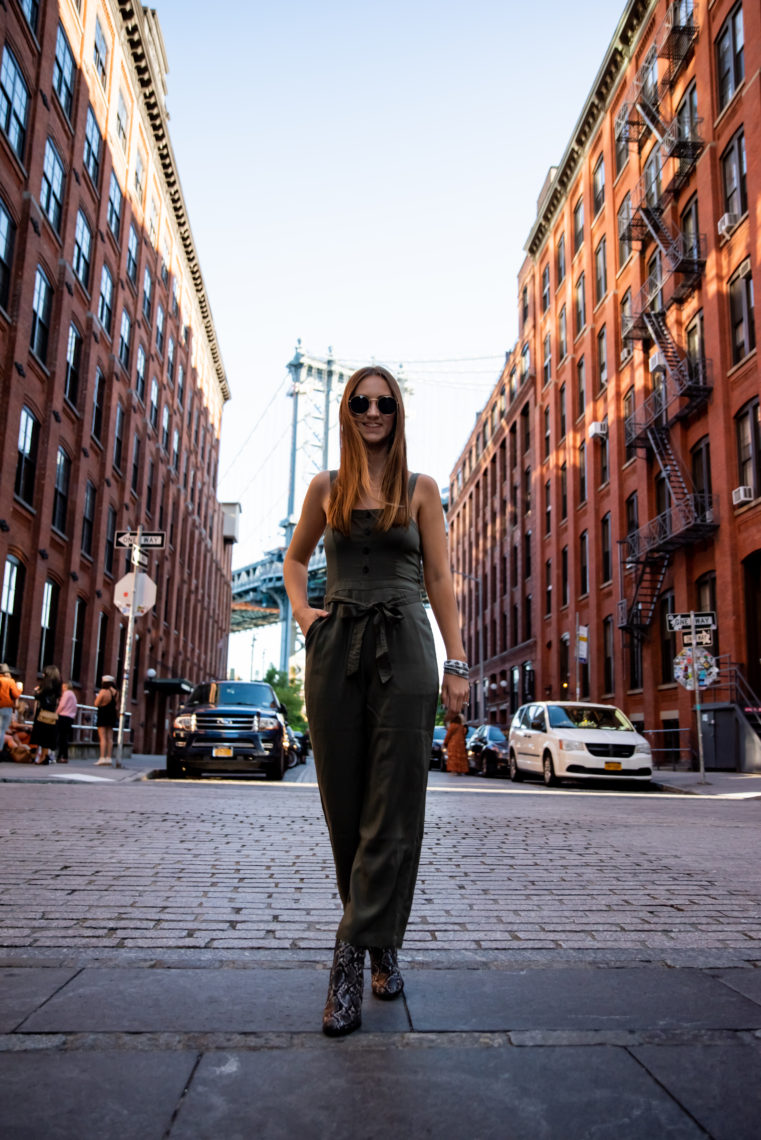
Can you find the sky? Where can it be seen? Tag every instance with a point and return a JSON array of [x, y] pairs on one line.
[[364, 176]]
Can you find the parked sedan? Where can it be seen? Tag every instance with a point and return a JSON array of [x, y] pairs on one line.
[[488, 750], [557, 739], [437, 747]]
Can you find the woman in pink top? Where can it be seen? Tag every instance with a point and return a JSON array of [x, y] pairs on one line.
[[67, 713]]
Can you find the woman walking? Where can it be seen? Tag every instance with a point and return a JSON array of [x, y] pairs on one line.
[[371, 681], [45, 723], [67, 714], [107, 704], [454, 742]]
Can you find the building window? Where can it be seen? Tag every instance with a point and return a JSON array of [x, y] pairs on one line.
[[11, 602], [100, 655], [42, 305], [564, 491], [622, 145], [527, 554], [546, 288], [626, 324], [705, 588], [100, 53], [153, 221], [655, 281], [160, 330], [547, 363], [652, 176], [690, 229], [106, 299], [668, 639], [598, 185], [525, 425], [730, 60], [701, 473], [132, 248], [73, 365], [51, 192], [525, 361], [48, 622], [562, 334], [601, 272], [630, 450], [748, 426], [7, 241], [581, 387], [77, 639], [88, 518], [524, 304], [583, 563], [165, 427], [125, 340], [607, 646], [147, 291], [170, 361], [547, 507], [14, 103], [118, 437], [80, 261], [527, 606], [93, 141], [140, 374], [135, 482], [687, 115], [108, 560], [122, 121], [564, 576], [605, 455], [605, 550], [114, 211], [175, 449], [632, 514], [26, 462], [602, 359], [561, 397], [734, 176], [140, 176], [742, 313], [154, 408], [99, 396], [561, 259], [582, 472], [63, 72], [149, 487], [578, 226], [546, 418], [61, 490], [580, 305], [548, 587], [624, 230]]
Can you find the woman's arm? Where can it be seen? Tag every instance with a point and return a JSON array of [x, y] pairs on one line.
[[307, 534], [438, 585]]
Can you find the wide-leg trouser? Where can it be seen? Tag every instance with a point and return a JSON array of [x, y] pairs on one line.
[[372, 747]]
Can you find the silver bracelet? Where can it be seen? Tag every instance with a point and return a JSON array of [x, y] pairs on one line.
[[457, 668]]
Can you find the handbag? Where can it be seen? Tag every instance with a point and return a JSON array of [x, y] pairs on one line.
[[44, 716]]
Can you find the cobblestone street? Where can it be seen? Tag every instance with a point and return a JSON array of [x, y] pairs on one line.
[[236, 868]]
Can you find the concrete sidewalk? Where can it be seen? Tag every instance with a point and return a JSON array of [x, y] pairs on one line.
[[202, 1048]]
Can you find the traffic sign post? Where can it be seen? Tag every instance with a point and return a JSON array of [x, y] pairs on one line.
[[696, 689], [156, 539], [703, 637], [679, 623], [134, 594], [694, 667]]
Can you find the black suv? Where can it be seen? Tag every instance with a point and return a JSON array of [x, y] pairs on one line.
[[229, 726]]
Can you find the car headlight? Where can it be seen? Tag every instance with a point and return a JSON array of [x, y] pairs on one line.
[[268, 722], [566, 745], [643, 748], [186, 722]]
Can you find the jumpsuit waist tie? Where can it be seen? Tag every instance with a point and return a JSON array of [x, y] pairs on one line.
[[383, 615]]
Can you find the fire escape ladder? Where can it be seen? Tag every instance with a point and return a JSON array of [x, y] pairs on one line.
[[685, 378], [676, 37], [635, 615]]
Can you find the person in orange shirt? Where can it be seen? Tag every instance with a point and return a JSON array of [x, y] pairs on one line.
[[9, 694], [454, 742]]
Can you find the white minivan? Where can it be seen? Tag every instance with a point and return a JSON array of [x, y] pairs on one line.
[[556, 739]]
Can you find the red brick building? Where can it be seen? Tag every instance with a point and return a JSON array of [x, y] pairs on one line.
[[614, 474], [111, 376]]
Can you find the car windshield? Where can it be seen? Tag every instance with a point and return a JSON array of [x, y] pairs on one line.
[[496, 734], [588, 716], [248, 693], [439, 732]]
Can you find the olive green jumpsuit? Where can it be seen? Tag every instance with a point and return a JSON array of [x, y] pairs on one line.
[[371, 689]]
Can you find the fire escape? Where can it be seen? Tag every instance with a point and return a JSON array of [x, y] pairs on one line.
[[681, 383]]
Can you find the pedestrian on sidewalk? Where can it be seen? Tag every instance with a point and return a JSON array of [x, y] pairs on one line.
[[9, 695], [371, 683], [45, 722], [107, 704], [67, 714], [454, 742]]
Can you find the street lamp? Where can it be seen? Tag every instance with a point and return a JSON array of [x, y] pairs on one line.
[[479, 604]]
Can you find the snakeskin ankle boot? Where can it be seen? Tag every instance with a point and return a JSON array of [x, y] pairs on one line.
[[343, 1009], [387, 979]]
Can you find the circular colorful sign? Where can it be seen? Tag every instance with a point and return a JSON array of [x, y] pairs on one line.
[[685, 664]]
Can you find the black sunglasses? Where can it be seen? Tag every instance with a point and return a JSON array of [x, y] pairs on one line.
[[358, 405]]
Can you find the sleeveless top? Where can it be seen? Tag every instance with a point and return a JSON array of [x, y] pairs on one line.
[[371, 576]]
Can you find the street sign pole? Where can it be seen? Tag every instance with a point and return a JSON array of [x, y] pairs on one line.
[[696, 689], [128, 653], [578, 663]]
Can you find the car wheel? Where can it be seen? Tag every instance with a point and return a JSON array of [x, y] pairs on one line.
[[548, 770], [487, 764], [515, 773], [277, 770], [173, 768]]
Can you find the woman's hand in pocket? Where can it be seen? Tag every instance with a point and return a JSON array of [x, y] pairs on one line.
[[308, 616]]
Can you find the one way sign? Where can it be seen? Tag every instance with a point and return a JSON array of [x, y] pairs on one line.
[[153, 538]]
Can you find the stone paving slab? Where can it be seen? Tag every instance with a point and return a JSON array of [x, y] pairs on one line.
[[746, 982], [720, 1086], [94, 1096], [23, 989], [575, 999], [449, 1094], [139, 1000]]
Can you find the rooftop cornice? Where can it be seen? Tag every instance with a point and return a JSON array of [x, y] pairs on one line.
[[615, 62], [151, 90]]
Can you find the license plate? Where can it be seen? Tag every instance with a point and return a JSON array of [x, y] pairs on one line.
[[223, 750], [612, 766]]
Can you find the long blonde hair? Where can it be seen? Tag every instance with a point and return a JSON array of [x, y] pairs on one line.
[[353, 479]]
